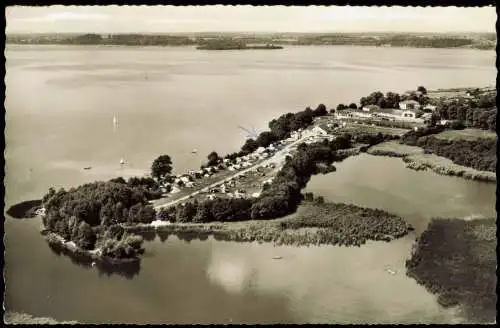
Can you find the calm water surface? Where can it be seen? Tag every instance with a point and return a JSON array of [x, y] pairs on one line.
[[60, 105]]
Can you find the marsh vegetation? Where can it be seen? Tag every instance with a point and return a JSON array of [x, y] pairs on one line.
[[457, 260]]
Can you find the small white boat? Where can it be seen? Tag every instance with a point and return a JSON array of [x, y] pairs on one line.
[[277, 257], [122, 161], [392, 272], [194, 151]]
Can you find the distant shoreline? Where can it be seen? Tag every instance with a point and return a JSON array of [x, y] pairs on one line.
[[198, 47]]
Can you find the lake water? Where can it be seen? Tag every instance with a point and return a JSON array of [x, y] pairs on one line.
[[60, 105]]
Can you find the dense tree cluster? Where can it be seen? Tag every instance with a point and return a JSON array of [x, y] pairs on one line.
[[213, 159], [282, 196], [373, 139], [392, 99], [479, 154], [280, 129], [161, 166], [422, 89], [341, 107], [285, 124], [122, 246], [411, 137], [83, 213], [220, 209], [478, 113]]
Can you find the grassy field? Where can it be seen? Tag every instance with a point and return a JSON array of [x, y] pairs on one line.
[[15, 318], [415, 159], [466, 134], [355, 128], [312, 224], [456, 259], [394, 149], [365, 125]]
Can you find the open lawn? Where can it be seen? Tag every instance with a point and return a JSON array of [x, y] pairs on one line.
[[466, 134], [355, 128], [394, 149]]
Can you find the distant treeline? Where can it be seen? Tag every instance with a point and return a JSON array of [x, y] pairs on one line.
[[114, 39], [394, 40], [398, 41]]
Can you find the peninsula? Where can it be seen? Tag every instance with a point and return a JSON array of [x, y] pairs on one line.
[[256, 194]]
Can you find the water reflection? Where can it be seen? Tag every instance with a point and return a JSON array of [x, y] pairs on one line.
[[330, 284], [148, 235], [105, 267], [21, 210], [163, 235]]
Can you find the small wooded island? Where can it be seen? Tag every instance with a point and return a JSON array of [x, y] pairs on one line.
[[235, 45]]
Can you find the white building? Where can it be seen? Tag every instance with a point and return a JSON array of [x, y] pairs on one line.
[[260, 150], [409, 104], [362, 114], [370, 108], [319, 130], [430, 107], [343, 114]]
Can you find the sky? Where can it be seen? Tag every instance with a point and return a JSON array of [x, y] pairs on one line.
[[171, 19]]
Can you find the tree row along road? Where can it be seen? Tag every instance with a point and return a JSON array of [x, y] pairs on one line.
[[278, 156]]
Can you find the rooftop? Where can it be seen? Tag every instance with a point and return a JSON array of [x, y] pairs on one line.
[[409, 102]]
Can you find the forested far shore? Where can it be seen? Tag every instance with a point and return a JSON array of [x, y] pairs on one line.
[[477, 41]]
